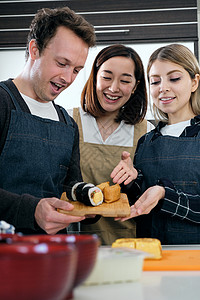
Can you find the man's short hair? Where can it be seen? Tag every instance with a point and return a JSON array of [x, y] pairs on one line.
[[45, 23]]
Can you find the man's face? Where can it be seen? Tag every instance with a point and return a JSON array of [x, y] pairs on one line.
[[58, 65]]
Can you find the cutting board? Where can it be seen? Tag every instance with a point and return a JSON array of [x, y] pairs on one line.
[[119, 208], [175, 260]]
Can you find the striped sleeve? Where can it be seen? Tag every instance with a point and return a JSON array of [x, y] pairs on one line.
[[181, 205]]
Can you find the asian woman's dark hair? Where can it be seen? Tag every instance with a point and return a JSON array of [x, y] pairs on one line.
[[135, 109]]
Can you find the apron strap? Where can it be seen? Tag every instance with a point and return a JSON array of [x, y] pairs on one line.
[[66, 116], [75, 114], [16, 104], [77, 119], [139, 130]]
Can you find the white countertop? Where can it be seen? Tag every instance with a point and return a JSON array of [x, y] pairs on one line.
[[154, 285]]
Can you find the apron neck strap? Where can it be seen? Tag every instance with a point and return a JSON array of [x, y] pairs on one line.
[[15, 102]]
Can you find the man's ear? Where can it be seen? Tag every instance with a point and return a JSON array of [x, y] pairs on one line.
[[33, 49]]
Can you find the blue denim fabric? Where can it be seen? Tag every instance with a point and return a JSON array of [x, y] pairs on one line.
[[177, 159], [36, 154]]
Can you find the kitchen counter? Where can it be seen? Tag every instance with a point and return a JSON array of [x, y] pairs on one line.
[[154, 285]]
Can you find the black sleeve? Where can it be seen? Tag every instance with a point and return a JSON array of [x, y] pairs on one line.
[[133, 189], [18, 210]]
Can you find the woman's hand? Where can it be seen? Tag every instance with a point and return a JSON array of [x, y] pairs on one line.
[[146, 202], [124, 171]]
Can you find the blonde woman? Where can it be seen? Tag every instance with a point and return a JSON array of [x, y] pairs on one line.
[[168, 202]]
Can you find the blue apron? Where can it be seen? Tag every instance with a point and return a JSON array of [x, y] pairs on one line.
[[177, 159], [36, 154]]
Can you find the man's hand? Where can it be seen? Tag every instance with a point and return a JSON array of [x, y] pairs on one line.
[[124, 171], [49, 219]]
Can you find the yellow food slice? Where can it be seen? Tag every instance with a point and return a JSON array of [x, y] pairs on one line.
[[149, 245], [97, 197]]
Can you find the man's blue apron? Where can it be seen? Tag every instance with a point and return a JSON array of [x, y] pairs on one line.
[[36, 154]]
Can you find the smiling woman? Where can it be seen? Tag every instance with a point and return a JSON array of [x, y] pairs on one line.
[[115, 84], [170, 87], [111, 120], [167, 205]]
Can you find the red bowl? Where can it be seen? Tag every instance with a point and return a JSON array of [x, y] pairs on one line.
[[87, 246], [36, 271], [6, 237]]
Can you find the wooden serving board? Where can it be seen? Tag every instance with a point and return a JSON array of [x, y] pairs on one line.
[[175, 260], [119, 208]]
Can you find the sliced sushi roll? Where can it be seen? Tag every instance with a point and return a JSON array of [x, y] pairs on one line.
[[74, 189], [80, 195], [92, 196], [73, 192], [87, 193]]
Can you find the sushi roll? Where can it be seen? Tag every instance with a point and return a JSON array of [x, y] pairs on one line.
[[73, 192], [87, 193]]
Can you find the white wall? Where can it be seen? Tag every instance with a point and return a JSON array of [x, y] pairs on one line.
[[12, 61]]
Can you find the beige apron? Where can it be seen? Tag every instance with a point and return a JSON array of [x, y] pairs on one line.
[[97, 162]]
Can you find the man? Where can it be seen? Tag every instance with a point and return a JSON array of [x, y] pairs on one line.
[[39, 142]]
